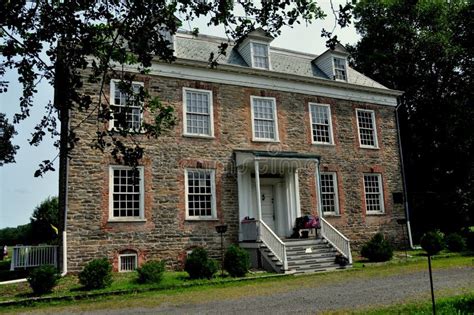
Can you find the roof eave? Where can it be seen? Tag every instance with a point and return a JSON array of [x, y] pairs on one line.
[[288, 76]]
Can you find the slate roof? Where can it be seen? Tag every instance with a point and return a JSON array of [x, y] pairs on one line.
[[282, 60]]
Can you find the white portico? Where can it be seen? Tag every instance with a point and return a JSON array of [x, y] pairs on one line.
[[274, 177], [269, 195]]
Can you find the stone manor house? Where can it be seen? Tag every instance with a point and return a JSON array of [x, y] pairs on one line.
[[270, 135]]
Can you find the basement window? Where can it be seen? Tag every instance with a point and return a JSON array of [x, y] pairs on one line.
[[128, 261]]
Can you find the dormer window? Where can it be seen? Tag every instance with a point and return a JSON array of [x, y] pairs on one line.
[[340, 72], [255, 49], [260, 55], [333, 62]]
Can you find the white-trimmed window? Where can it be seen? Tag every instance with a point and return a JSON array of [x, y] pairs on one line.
[[367, 128], [321, 125], [264, 118], [126, 107], [200, 194], [260, 56], [340, 71], [329, 198], [198, 112], [373, 193], [128, 261], [126, 193]]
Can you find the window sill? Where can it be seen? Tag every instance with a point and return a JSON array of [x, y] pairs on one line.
[[369, 148], [265, 140], [375, 214], [129, 132], [201, 219], [331, 215], [323, 144], [126, 220], [198, 136]]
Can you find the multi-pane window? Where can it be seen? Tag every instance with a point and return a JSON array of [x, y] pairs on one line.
[[329, 200], [265, 125], [126, 106], [340, 71], [373, 193], [200, 194], [198, 112], [321, 123], [260, 55], [126, 193], [367, 129], [127, 262]]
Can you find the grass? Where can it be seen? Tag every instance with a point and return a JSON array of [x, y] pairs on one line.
[[218, 288], [459, 304], [70, 286]]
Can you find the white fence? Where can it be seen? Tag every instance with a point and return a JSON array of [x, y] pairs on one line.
[[34, 256], [336, 239]]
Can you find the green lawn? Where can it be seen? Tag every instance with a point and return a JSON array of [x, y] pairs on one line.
[[171, 292], [70, 286]]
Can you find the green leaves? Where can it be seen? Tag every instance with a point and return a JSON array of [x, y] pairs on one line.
[[424, 48], [73, 43]]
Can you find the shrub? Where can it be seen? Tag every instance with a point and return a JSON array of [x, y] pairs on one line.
[[236, 261], [198, 265], [432, 242], [377, 249], [97, 274], [455, 242], [151, 272], [470, 240], [43, 279]]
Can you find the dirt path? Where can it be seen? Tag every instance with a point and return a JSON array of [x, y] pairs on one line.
[[349, 294]]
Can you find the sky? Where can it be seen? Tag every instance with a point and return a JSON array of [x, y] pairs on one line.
[[21, 192]]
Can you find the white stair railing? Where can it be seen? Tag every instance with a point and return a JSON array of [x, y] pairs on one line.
[[274, 243], [336, 239], [34, 256]]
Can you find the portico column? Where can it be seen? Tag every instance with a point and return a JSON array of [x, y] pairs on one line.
[[318, 188], [257, 188]]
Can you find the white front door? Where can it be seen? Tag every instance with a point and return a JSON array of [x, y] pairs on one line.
[[268, 209]]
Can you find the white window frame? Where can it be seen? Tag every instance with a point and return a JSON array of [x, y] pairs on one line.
[[336, 195], [211, 114], [213, 215], [141, 217], [381, 196], [331, 134], [252, 54], [374, 130], [120, 256], [275, 115], [113, 84], [335, 68]]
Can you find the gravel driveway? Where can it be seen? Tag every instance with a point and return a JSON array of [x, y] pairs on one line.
[[348, 294]]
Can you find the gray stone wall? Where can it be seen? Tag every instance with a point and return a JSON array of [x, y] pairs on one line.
[[165, 234]]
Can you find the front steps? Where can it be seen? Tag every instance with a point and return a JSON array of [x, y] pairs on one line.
[[304, 256]]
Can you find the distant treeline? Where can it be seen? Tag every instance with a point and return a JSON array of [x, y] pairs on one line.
[[41, 229], [21, 234]]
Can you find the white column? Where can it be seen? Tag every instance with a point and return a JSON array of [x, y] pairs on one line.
[[257, 189], [318, 188], [243, 209]]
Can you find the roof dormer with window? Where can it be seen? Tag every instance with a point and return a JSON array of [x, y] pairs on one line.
[[255, 49], [333, 62]]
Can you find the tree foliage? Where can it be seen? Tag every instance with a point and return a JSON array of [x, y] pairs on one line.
[[57, 40], [7, 148], [44, 220], [425, 49], [15, 235]]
